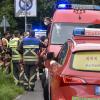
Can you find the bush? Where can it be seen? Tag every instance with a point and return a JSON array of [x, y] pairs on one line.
[[8, 90]]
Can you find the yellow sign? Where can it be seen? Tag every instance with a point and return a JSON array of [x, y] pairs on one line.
[[87, 61]]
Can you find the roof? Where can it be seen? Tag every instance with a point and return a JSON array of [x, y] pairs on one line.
[[65, 15]]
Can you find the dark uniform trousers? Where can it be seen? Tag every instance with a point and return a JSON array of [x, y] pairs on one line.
[[30, 76], [16, 71]]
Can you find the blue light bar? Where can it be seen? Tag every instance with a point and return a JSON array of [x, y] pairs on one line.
[[79, 32], [86, 7], [97, 8], [63, 4], [36, 30], [39, 30]]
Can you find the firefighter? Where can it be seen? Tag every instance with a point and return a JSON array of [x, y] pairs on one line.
[[16, 56], [30, 48]]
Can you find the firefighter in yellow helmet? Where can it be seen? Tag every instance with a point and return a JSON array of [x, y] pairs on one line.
[[16, 56], [30, 48]]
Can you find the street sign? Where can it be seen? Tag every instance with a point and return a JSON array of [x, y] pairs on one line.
[[4, 22], [28, 4], [23, 7]]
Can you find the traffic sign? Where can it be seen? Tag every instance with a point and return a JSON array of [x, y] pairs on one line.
[[4, 22], [28, 7], [25, 4]]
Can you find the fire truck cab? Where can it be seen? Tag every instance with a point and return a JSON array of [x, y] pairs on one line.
[[66, 18]]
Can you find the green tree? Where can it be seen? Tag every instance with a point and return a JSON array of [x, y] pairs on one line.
[[7, 9]]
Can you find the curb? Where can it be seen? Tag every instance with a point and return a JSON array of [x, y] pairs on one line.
[[18, 97]]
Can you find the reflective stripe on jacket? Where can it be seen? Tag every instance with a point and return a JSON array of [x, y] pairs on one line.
[[29, 53], [30, 48], [13, 44]]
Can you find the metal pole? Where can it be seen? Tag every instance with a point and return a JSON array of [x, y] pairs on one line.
[[93, 2], [4, 23], [25, 15]]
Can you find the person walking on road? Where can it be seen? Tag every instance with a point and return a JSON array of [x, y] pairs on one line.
[[30, 48]]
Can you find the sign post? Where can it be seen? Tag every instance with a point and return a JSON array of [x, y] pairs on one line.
[[4, 23], [26, 16], [93, 2]]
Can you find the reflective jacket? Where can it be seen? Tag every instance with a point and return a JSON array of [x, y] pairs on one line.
[[30, 50], [13, 44]]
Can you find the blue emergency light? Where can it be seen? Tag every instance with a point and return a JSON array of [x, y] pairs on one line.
[[66, 4], [79, 32], [97, 8], [63, 4], [39, 30]]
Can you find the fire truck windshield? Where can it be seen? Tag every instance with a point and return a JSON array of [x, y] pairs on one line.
[[63, 31]]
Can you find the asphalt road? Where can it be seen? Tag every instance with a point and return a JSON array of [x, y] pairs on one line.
[[36, 95]]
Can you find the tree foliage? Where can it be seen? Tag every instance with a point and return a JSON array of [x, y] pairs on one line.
[[44, 8], [7, 9]]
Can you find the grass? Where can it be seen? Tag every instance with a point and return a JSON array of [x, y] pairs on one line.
[[8, 90]]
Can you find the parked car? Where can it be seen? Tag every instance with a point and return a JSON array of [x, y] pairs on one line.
[[75, 73]]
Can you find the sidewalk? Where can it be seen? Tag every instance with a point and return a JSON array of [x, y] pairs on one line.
[[36, 95]]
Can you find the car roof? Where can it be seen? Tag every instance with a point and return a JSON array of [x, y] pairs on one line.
[[85, 45], [64, 15]]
